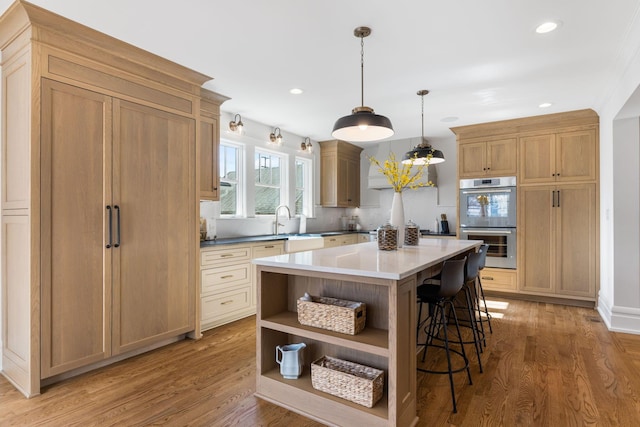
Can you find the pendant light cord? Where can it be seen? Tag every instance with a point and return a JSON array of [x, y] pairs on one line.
[[422, 140], [362, 71]]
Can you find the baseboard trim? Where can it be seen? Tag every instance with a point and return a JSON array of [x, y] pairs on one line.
[[541, 298]]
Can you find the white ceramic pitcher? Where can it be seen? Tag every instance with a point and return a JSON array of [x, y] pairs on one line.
[[289, 357]]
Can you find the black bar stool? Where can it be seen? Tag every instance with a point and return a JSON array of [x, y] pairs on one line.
[[440, 297], [472, 321], [487, 317]]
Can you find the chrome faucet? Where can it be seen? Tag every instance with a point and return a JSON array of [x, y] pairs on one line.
[[288, 214]]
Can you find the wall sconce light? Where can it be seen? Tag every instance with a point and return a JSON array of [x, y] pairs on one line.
[[276, 137], [236, 124], [305, 145]]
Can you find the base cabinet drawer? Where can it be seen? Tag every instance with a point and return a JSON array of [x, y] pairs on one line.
[[497, 279], [220, 278], [224, 304], [223, 256]]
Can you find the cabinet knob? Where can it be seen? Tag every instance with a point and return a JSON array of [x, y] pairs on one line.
[[215, 188]]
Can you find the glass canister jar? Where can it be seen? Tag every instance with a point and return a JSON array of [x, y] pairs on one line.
[[411, 234], [387, 237]]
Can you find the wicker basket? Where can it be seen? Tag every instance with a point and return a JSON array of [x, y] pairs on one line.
[[357, 383], [347, 317]]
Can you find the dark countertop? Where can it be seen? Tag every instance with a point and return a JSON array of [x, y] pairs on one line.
[[271, 237], [431, 233]]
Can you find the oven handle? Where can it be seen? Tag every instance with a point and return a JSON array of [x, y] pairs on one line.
[[486, 231], [503, 190]]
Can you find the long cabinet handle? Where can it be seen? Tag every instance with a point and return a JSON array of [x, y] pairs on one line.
[[553, 198], [117, 209], [558, 197], [108, 246]]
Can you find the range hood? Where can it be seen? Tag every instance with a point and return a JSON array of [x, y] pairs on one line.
[[377, 181]]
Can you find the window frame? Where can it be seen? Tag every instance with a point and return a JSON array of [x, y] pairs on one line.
[[284, 186], [241, 185], [307, 179]]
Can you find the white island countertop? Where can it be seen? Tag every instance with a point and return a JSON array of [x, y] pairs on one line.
[[366, 260]]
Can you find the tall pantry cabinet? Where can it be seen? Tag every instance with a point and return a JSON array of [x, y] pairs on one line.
[[555, 160], [100, 198]]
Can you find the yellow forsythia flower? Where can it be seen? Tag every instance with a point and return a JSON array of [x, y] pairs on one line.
[[399, 174]]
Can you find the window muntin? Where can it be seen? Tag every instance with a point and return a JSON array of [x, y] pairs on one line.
[[269, 176]]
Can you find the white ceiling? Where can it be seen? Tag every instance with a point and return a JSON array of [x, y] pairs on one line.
[[481, 60]]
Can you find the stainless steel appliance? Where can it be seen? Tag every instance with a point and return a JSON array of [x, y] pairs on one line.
[[488, 213], [501, 241]]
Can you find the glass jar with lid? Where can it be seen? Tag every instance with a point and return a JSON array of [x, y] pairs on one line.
[[411, 234], [387, 237]]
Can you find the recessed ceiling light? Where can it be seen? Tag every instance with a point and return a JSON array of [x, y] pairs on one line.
[[547, 27], [545, 105], [296, 91], [449, 119]]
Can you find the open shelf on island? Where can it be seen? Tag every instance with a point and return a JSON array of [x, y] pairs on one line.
[[379, 412], [370, 340]]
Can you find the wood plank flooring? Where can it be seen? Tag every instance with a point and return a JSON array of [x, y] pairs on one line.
[[544, 365]]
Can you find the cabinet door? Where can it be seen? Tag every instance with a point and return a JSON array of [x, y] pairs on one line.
[[576, 240], [537, 159], [501, 157], [353, 183], [209, 166], [154, 187], [328, 179], [75, 190], [472, 161], [536, 222], [576, 156]]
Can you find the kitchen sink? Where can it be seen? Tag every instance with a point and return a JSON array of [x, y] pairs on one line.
[[303, 242]]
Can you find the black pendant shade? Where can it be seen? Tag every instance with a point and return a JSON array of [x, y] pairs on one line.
[[362, 125], [420, 153]]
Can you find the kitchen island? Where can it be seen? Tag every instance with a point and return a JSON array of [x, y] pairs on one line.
[[386, 282]]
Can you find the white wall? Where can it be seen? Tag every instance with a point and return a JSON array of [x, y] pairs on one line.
[[422, 205], [257, 135], [619, 296]]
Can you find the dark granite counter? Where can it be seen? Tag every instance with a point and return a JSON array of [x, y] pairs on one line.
[[271, 237]]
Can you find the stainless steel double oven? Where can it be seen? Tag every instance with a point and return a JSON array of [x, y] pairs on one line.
[[488, 213]]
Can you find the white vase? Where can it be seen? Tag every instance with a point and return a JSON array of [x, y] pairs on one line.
[[397, 216]]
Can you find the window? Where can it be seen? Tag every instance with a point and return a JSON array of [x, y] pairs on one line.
[[269, 176], [304, 189], [230, 180]]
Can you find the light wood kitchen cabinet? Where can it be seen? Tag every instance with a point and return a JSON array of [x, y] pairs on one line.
[[227, 283], [498, 279], [340, 174], [487, 158], [340, 240], [210, 144], [557, 163], [144, 161], [100, 144], [559, 250], [559, 157]]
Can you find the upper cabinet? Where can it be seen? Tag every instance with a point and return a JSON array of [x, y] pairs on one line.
[[210, 144], [559, 157], [495, 157], [340, 174]]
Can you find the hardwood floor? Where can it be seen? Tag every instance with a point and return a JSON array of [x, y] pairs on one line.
[[544, 365]]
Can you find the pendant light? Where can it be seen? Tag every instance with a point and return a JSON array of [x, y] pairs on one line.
[[362, 125], [421, 152]]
